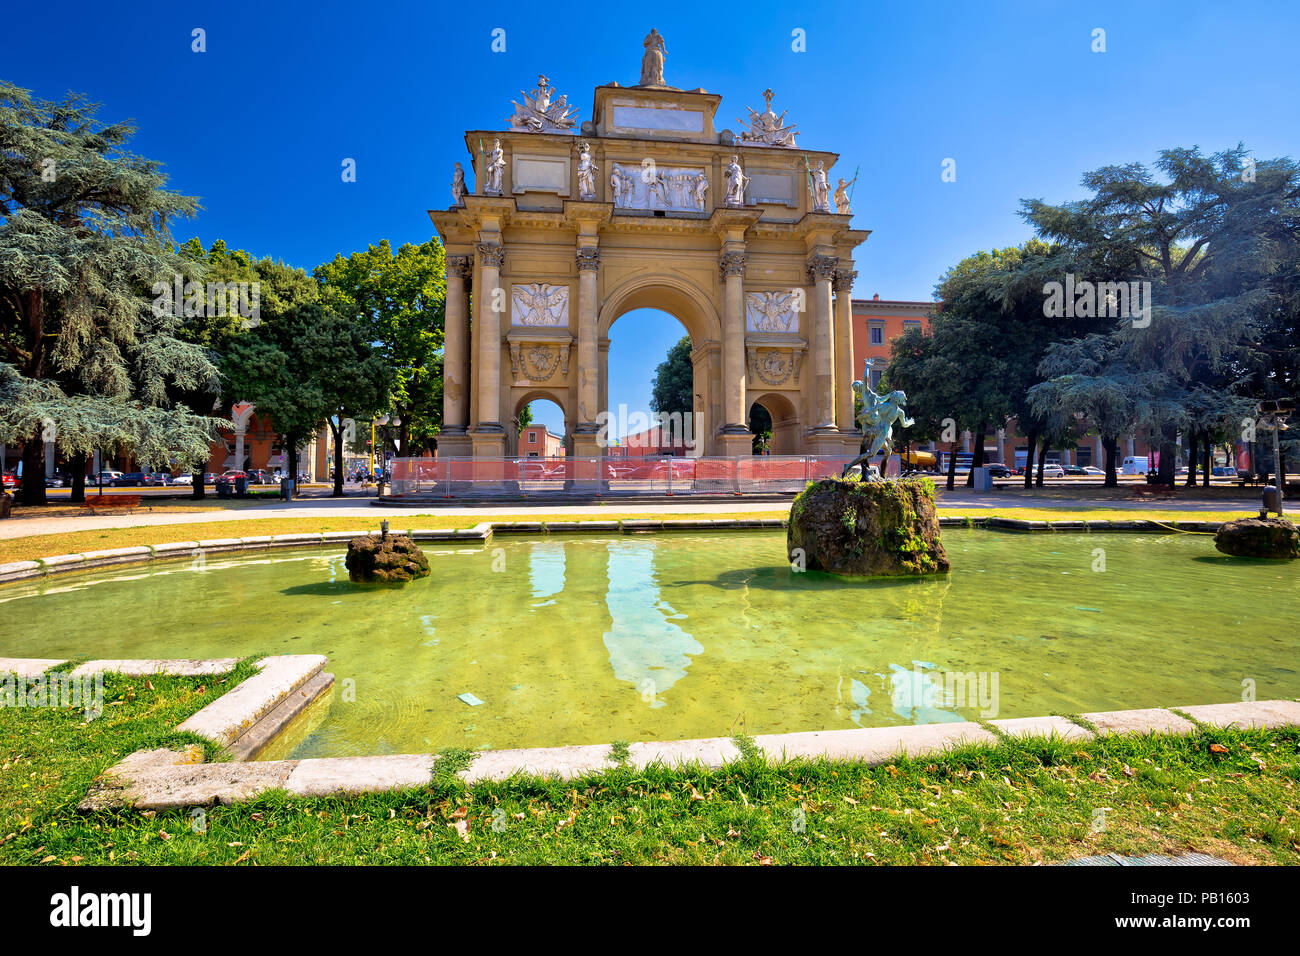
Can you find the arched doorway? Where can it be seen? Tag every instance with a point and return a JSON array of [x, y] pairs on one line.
[[543, 412], [694, 312], [641, 343], [784, 422]]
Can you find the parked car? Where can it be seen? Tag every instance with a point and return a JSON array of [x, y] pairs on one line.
[[185, 479], [210, 478], [260, 476], [1222, 471], [1074, 471], [157, 479], [1051, 470], [58, 480], [1094, 471], [229, 478], [10, 480], [1135, 465], [131, 479], [999, 471], [108, 476]]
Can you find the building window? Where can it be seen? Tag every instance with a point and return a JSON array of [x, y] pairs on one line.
[[911, 324], [532, 438], [875, 377], [532, 454], [876, 333]]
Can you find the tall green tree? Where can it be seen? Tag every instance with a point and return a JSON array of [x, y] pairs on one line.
[[274, 289], [1212, 235], [673, 388], [85, 237], [308, 368], [399, 302]]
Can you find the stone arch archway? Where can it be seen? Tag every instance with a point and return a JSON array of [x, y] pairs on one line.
[[524, 397], [562, 235], [785, 421], [690, 305]]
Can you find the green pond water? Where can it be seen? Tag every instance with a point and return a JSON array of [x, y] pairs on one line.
[[591, 639]]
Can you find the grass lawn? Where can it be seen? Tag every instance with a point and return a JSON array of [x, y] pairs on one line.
[[1022, 802]]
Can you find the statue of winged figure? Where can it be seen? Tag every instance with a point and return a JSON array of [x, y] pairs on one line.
[[877, 419], [541, 304], [539, 114]]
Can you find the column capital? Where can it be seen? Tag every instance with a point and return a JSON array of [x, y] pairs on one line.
[[588, 259], [731, 264], [843, 281], [459, 266], [492, 255], [821, 267]]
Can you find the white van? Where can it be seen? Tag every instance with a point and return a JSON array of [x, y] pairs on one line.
[[1135, 465]]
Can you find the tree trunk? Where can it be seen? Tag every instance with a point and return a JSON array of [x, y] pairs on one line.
[[1029, 458], [977, 459], [952, 467], [337, 431], [1042, 463], [1111, 447], [1193, 456], [1168, 458], [32, 489], [78, 466]]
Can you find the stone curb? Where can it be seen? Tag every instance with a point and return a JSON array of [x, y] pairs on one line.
[[483, 531], [146, 667], [158, 779], [27, 666], [234, 713]]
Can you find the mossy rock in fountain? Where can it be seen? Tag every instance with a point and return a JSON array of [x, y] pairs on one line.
[[391, 559], [1259, 538], [867, 528]]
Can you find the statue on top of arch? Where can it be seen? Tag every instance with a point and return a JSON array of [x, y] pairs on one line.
[[766, 128]]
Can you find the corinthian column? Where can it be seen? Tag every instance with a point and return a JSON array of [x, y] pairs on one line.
[[821, 269], [736, 438], [488, 320], [455, 349], [588, 368], [843, 283]]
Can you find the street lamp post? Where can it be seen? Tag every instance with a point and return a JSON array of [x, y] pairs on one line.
[[1273, 417]]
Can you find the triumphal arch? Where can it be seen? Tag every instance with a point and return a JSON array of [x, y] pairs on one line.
[[647, 205]]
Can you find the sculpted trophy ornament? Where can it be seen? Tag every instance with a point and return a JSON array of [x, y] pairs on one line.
[[652, 64], [877, 419], [842, 196], [736, 180], [766, 128], [539, 114], [458, 190], [586, 174], [496, 167], [819, 188]]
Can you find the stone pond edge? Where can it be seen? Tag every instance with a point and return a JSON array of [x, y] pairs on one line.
[[484, 530], [264, 704]]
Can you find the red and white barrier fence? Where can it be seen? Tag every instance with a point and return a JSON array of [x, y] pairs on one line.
[[452, 477]]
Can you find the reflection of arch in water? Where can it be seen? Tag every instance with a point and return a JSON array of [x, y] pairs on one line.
[[915, 693], [546, 570], [646, 649]]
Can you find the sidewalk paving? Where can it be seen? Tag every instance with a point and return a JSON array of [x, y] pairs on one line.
[[957, 500]]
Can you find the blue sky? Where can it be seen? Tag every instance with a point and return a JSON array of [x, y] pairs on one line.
[[259, 125]]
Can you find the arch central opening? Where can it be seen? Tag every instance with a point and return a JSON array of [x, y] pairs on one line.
[[649, 385]]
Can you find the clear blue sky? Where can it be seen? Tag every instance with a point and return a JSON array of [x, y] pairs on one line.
[[258, 126]]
